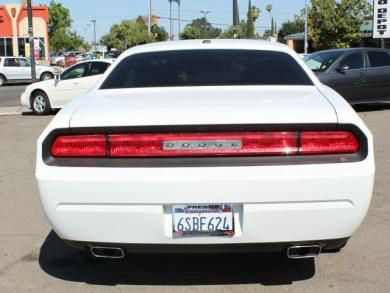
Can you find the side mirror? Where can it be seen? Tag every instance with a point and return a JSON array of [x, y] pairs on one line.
[[57, 76], [342, 69]]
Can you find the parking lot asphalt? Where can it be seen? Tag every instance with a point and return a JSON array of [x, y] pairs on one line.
[[10, 95], [33, 258]]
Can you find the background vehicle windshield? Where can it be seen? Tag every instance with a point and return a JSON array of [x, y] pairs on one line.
[[206, 68], [321, 61]]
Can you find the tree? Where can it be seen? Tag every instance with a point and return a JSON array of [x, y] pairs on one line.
[[159, 33], [291, 27], [269, 8], [59, 24], [336, 24], [59, 18], [267, 34], [130, 33], [240, 32], [250, 25], [200, 28]]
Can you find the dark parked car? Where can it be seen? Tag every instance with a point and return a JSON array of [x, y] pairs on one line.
[[360, 75]]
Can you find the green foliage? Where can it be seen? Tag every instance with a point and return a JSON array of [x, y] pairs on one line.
[[127, 34], [200, 28], [159, 33], [59, 18], [291, 27], [267, 34], [62, 40], [336, 24], [240, 34], [59, 24], [245, 30], [250, 25]]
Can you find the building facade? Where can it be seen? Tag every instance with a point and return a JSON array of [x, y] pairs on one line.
[[14, 38]]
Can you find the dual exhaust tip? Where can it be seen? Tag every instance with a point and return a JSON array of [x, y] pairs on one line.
[[293, 252], [303, 251], [107, 252]]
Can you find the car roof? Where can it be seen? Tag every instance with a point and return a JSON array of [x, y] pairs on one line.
[[96, 60], [344, 50], [212, 44]]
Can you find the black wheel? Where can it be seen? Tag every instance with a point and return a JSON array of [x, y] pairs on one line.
[[47, 76], [2, 80], [40, 103]]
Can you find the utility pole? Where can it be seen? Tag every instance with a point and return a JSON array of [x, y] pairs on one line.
[[306, 28], [204, 12], [150, 17], [236, 18], [31, 37], [179, 20], [94, 32], [170, 20]]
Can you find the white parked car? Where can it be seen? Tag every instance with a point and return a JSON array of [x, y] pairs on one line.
[[42, 97], [18, 70], [213, 145], [56, 58]]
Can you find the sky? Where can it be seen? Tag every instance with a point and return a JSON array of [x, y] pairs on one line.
[[109, 12]]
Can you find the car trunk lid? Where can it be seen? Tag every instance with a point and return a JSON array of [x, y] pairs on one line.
[[204, 106]]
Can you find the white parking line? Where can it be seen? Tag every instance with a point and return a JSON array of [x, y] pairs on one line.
[[9, 111]]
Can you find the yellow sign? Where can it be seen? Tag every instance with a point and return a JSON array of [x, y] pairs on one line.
[[27, 50]]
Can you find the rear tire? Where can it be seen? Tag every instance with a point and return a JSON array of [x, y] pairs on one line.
[[2, 80], [40, 103], [46, 76]]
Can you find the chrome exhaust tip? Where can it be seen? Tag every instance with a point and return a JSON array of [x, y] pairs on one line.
[[303, 251], [107, 252]]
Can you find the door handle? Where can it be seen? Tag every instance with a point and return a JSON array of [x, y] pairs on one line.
[[362, 74]]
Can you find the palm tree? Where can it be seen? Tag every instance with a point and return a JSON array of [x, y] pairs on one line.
[[269, 8], [256, 12]]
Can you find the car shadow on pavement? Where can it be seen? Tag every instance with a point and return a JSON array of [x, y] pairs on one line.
[[372, 107], [61, 261]]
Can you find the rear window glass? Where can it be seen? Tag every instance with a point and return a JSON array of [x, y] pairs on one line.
[[206, 68], [378, 58]]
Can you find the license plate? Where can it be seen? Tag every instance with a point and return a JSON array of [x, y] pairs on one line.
[[206, 220]]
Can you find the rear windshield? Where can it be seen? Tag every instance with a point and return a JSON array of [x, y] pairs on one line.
[[206, 68]]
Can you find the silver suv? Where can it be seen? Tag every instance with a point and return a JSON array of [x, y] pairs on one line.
[[18, 69]]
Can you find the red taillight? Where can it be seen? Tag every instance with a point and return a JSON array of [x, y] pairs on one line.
[[328, 142], [79, 146], [206, 145], [198, 144]]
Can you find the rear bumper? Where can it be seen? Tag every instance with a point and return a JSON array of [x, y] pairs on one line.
[[25, 100], [272, 204], [326, 245]]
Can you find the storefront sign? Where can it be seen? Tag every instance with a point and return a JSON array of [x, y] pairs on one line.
[[381, 19]]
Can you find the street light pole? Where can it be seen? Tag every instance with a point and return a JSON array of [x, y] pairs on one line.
[[94, 31], [31, 38], [204, 12], [150, 17], [179, 20], [306, 28], [236, 19], [170, 20]]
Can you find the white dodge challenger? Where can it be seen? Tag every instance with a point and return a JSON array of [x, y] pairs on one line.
[[206, 146]]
